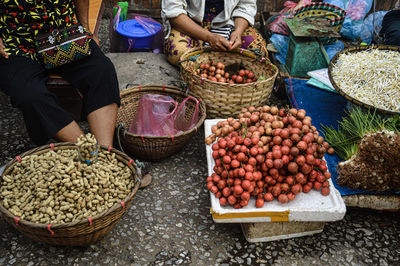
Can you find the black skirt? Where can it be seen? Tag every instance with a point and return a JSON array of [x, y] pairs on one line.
[[24, 81]]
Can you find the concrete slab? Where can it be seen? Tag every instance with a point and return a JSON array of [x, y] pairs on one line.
[[144, 68]]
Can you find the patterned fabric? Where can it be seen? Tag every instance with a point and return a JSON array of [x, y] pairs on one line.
[[252, 40], [213, 8], [334, 14], [22, 20], [62, 47], [178, 43]]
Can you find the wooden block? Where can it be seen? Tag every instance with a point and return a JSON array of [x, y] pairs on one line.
[[264, 232]]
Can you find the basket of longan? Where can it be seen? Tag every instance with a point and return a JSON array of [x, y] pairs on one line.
[[68, 194], [228, 81]]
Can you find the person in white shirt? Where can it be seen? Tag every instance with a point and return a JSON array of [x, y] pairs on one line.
[[222, 24]]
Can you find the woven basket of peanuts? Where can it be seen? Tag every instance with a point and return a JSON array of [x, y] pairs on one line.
[[68, 194], [228, 81]]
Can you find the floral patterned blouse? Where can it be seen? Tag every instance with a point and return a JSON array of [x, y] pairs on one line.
[[22, 20]]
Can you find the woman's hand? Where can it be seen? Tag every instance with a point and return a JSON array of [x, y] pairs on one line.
[[217, 42], [235, 40], [236, 36], [3, 53]]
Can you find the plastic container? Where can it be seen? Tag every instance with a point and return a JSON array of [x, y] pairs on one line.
[[307, 207], [135, 37]]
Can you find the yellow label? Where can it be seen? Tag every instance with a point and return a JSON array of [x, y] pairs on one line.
[[275, 216]]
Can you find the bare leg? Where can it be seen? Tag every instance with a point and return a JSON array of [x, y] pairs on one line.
[[102, 123], [69, 133]]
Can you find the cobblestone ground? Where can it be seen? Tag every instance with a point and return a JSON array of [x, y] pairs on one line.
[[169, 223]]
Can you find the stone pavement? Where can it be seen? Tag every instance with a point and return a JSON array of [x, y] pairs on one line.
[[169, 222]]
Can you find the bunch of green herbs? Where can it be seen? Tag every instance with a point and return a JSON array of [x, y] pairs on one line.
[[354, 125]]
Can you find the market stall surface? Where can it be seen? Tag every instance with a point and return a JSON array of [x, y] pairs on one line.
[[169, 222]]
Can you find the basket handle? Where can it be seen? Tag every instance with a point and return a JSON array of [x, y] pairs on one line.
[[257, 52], [190, 58], [120, 126], [184, 88]]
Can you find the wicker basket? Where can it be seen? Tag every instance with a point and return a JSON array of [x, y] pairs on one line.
[[79, 233], [223, 99], [354, 50], [154, 148]]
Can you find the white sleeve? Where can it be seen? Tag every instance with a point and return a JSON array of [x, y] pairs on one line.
[[173, 8], [246, 9]]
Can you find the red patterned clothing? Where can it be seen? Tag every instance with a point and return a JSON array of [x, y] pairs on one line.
[[22, 20]]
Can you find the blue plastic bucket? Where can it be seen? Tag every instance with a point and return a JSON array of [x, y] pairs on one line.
[[135, 37]]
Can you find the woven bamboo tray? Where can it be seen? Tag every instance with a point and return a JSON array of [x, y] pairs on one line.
[[79, 233], [154, 148], [354, 50], [223, 99]]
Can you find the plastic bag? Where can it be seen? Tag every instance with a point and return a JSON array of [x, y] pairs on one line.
[[148, 24], [116, 43], [318, 84], [367, 29], [334, 48], [160, 115], [320, 79], [281, 43], [181, 122], [154, 116], [356, 10], [277, 24]]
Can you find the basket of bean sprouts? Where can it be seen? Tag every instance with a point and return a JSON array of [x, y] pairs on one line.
[[368, 76]]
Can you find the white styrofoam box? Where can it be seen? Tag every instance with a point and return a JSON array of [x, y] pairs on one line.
[[306, 207]]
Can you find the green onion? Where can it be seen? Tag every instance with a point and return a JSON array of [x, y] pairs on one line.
[[354, 126]]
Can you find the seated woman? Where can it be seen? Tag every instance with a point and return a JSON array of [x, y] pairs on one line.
[[390, 31], [23, 77], [223, 25]]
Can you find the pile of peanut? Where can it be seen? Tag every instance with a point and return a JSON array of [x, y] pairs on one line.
[[56, 187], [87, 148]]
